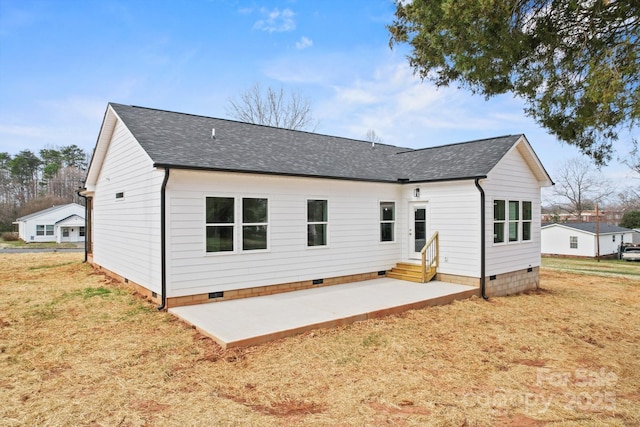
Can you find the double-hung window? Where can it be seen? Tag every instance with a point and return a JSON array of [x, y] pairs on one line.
[[573, 242], [526, 220], [254, 224], [220, 219], [514, 220], [44, 230], [387, 221], [499, 216], [317, 222]]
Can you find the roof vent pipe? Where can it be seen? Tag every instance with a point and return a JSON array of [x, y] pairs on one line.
[[213, 133]]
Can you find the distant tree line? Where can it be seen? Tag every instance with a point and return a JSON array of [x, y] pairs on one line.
[[30, 182]]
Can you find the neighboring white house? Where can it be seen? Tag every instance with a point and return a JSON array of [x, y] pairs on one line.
[[64, 223], [195, 209], [579, 239]]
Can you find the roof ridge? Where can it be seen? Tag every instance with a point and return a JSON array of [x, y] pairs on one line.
[[264, 126], [451, 144]]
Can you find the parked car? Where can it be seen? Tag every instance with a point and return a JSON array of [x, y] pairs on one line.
[[631, 253]]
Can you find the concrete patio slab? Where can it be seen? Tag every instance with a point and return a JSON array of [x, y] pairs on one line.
[[251, 321]]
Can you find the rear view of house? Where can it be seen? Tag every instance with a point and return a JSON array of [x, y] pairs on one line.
[[196, 209], [64, 223]]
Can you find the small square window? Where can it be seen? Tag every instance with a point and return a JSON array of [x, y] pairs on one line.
[[573, 242]]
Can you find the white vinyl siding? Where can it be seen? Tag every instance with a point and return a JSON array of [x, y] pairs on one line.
[[353, 232], [453, 210], [560, 239], [512, 180], [126, 231]]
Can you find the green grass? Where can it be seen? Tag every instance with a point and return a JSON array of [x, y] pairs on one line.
[[607, 268]]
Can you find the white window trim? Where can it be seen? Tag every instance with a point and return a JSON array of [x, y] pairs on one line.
[[577, 244], [381, 221], [206, 224], [307, 223], [237, 224], [507, 220], [242, 224]]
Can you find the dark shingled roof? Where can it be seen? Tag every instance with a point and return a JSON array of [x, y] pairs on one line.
[[184, 141], [590, 227]]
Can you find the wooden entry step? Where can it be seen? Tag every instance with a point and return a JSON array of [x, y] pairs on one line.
[[410, 272]]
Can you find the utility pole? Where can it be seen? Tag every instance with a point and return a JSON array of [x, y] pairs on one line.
[[597, 233]]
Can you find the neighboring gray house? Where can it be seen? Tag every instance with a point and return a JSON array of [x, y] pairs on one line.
[[579, 239], [193, 209], [64, 223]]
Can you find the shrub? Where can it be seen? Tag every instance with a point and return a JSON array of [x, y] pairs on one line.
[[9, 236]]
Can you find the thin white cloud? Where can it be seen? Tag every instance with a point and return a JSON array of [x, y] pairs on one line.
[[276, 21], [24, 131], [304, 43]]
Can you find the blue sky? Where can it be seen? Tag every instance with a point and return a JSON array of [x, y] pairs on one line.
[[62, 61]]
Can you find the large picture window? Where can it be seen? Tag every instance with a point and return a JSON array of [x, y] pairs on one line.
[[254, 224], [387, 221], [220, 224], [317, 222], [512, 220]]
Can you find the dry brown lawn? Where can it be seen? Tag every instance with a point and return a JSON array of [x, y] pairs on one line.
[[77, 349]]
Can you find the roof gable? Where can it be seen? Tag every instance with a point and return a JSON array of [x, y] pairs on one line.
[[178, 140], [71, 220]]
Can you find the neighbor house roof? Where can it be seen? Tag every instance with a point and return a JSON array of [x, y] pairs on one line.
[[179, 140], [590, 227], [46, 211]]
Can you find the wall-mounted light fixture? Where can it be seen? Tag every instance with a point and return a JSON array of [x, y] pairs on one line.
[[416, 192]]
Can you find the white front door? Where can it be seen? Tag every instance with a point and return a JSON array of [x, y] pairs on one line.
[[418, 228]]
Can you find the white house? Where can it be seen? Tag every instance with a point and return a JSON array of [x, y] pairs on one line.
[[579, 239], [194, 209], [64, 223]]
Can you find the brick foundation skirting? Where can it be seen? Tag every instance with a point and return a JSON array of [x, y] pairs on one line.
[[268, 290], [513, 282], [502, 284], [236, 293], [459, 280]]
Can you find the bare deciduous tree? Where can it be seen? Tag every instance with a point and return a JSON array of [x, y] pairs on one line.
[[580, 186], [272, 107], [372, 136]]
